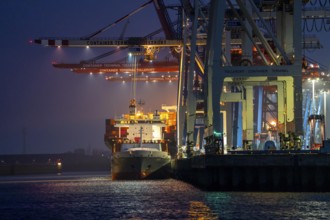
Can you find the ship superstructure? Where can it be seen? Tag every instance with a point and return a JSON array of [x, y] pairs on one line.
[[140, 143]]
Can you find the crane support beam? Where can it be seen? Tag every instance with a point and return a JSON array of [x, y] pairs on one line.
[[251, 71], [191, 98], [164, 19], [306, 14], [214, 74], [298, 118]]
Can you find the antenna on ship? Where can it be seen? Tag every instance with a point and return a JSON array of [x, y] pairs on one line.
[[141, 130], [141, 103]]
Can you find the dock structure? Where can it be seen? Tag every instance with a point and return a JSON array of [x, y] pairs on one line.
[[272, 172], [244, 85], [258, 94], [264, 109]]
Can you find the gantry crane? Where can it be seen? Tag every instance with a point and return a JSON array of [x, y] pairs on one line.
[[239, 60], [150, 70]]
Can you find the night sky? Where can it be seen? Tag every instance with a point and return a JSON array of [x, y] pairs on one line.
[[59, 110]]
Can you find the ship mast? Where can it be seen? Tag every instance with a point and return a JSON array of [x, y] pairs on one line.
[[141, 129], [134, 76], [132, 105]]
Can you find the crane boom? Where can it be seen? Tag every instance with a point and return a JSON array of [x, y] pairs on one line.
[[164, 19], [142, 67], [102, 42]]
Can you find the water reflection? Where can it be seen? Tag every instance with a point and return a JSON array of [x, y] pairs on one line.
[[198, 210], [97, 197], [269, 205]]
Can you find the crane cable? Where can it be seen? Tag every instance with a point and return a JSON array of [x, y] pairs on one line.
[[117, 21]]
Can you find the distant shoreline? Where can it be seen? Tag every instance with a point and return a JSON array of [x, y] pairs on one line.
[[23, 164]]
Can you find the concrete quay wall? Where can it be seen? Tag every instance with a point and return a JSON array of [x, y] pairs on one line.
[[291, 172]]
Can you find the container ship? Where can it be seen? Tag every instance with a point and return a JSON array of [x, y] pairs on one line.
[[141, 144]]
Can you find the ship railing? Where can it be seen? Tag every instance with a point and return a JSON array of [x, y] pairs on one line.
[[144, 141]]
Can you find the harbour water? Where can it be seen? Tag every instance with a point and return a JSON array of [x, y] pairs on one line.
[[96, 196]]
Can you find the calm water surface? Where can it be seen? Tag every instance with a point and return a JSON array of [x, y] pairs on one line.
[[95, 196]]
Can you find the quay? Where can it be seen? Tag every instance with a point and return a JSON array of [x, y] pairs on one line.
[[296, 172]]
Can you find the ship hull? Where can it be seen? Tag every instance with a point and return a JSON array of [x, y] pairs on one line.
[[138, 165]]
